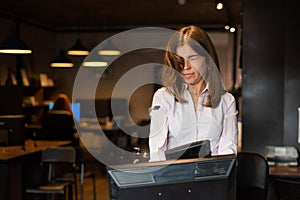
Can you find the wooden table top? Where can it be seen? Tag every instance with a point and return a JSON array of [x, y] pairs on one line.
[[284, 171], [11, 152]]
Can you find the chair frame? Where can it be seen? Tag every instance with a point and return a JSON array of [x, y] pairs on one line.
[[82, 175], [259, 181], [52, 156]]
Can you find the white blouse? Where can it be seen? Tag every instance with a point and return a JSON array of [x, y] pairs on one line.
[[174, 124]]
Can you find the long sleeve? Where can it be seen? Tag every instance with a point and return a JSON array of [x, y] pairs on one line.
[[228, 140], [158, 127], [174, 124]]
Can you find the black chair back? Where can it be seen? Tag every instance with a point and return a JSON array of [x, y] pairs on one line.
[[53, 156], [58, 125], [59, 154], [252, 176], [56, 159]]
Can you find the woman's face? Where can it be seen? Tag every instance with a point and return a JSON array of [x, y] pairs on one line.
[[194, 64]]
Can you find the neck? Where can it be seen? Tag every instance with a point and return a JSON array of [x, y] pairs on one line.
[[197, 88]]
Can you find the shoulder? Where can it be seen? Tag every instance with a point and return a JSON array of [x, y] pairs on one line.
[[163, 93], [228, 97], [227, 100], [163, 97]]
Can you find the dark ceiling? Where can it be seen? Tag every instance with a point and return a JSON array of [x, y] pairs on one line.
[[64, 15]]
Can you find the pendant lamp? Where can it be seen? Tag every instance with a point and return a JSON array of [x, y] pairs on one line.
[[61, 60], [78, 49], [94, 60], [109, 50], [219, 4], [13, 45]]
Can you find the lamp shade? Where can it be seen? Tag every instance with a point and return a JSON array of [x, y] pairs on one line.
[[13, 45], [109, 50], [94, 60], [78, 49], [219, 4], [61, 60]]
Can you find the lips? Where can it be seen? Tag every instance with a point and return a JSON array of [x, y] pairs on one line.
[[187, 75]]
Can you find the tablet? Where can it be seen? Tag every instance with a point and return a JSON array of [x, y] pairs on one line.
[[199, 149]]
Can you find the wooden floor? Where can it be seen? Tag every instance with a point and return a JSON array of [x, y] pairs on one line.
[[101, 177], [101, 182]]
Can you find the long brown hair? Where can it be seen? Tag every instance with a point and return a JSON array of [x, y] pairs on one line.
[[62, 102], [200, 42]]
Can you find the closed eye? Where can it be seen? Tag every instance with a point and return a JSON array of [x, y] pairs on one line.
[[193, 57]]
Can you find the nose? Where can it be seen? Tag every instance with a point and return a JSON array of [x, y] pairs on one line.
[[186, 64]]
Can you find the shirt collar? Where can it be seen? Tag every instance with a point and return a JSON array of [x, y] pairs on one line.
[[186, 87]]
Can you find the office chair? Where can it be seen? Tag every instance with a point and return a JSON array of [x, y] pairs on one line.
[[81, 174], [287, 189], [252, 176], [53, 158], [59, 125]]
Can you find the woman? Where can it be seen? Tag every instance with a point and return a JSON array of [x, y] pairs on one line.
[[62, 102], [58, 123], [193, 104]]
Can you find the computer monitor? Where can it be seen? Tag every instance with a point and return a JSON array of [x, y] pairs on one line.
[[12, 118], [12, 130], [75, 107], [11, 100], [211, 178]]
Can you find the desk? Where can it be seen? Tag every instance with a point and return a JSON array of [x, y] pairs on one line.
[[96, 126], [109, 144], [20, 167], [282, 172], [114, 134]]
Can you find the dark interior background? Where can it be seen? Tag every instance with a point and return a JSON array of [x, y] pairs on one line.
[[270, 74], [270, 42]]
